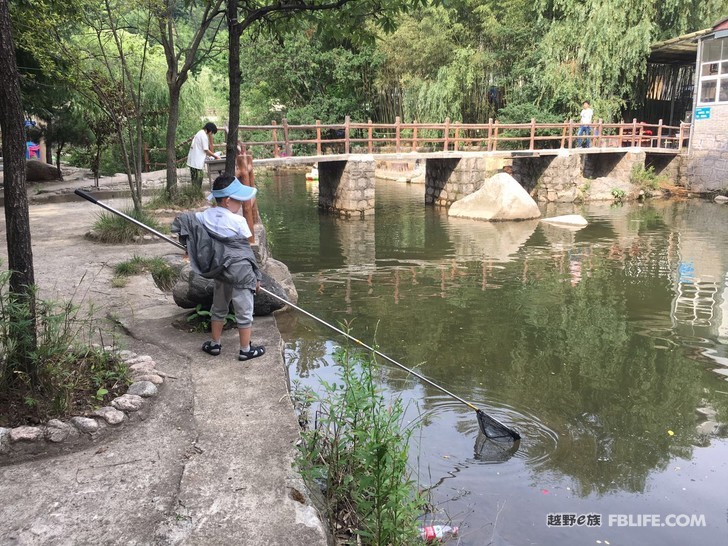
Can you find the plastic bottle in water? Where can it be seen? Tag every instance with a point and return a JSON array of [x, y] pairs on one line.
[[437, 532]]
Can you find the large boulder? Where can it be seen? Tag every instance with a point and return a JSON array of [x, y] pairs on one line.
[[192, 290], [500, 198], [39, 171]]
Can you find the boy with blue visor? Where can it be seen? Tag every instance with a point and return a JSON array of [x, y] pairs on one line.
[[218, 247]]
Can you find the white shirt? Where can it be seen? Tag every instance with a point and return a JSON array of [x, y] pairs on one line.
[[223, 222], [586, 116], [196, 156]]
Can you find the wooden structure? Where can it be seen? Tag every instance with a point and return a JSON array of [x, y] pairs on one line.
[[284, 140]]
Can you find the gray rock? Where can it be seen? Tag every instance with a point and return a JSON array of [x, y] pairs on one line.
[[26, 434], [110, 415], [40, 171], [143, 367], [145, 389], [500, 198], [138, 359], [85, 424], [720, 199], [152, 378], [128, 402], [192, 290], [4, 440], [127, 355], [58, 431]]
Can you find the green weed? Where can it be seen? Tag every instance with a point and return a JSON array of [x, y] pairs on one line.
[[65, 373], [163, 274], [112, 228], [357, 453], [186, 197]]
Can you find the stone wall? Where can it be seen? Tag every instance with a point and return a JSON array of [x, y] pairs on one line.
[[568, 177], [447, 180], [707, 163], [346, 188]]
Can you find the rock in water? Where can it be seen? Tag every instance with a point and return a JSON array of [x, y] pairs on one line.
[[500, 198], [570, 220]]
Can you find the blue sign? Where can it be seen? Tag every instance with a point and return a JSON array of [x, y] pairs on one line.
[[702, 113]]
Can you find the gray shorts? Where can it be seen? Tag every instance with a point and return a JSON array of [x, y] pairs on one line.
[[242, 299]]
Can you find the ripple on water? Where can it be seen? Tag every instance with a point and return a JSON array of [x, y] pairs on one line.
[[538, 443]]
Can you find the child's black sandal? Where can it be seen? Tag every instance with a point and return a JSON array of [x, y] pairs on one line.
[[254, 352], [211, 348]]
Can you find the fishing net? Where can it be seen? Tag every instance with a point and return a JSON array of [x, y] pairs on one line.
[[494, 429]]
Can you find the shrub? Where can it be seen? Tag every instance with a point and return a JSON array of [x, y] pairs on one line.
[[357, 452], [66, 372], [112, 228], [163, 274]]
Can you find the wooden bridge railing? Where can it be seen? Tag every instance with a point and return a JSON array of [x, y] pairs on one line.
[[287, 140]]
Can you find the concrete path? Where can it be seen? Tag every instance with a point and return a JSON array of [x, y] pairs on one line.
[[211, 463]]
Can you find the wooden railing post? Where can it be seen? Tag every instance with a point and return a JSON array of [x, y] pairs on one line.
[[276, 149], [532, 141], [146, 157], [495, 137], [634, 131], [414, 136], [680, 137], [347, 123], [563, 134], [370, 143], [318, 137], [286, 141], [600, 131], [571, 134], [397, 133], [446, 139], [488, 144], [658, 144], [621, 134], [457, 136]]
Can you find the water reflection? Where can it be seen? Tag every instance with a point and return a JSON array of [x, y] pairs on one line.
[[599, 346]]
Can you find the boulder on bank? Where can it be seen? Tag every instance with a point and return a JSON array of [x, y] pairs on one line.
[[500, 198], [192, 290], [39, 171]]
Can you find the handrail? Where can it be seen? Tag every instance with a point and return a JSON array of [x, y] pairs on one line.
[[280, 140]]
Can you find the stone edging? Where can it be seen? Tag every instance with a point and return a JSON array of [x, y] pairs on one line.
[[55, 436]]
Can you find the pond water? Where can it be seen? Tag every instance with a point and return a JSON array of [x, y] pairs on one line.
[[606, 348]]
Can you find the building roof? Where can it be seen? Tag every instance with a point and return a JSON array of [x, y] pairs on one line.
[[680, 50]]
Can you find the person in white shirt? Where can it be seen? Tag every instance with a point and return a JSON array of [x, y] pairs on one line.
[[200, 149], [585, 126]]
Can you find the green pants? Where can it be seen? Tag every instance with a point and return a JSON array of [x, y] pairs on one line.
[[197, 175]]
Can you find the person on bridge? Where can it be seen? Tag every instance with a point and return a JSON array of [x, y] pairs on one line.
[[217, 244], [585, 126], [200, 149]]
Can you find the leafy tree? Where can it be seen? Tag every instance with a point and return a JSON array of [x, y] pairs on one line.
[[351, 17], [186, 31]]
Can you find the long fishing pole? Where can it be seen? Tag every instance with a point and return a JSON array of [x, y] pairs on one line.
[[484, 420]]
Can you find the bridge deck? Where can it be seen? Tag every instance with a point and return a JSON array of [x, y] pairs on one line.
[[219, 164]]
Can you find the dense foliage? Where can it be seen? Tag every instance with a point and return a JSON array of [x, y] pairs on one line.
[[469, 60]]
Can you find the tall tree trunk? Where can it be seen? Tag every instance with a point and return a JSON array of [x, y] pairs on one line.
[[172, 122], [17, 221], [234, 74]]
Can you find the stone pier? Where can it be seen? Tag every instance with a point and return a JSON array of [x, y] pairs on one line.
[[450, 179], [566, 177], [346, 188]]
